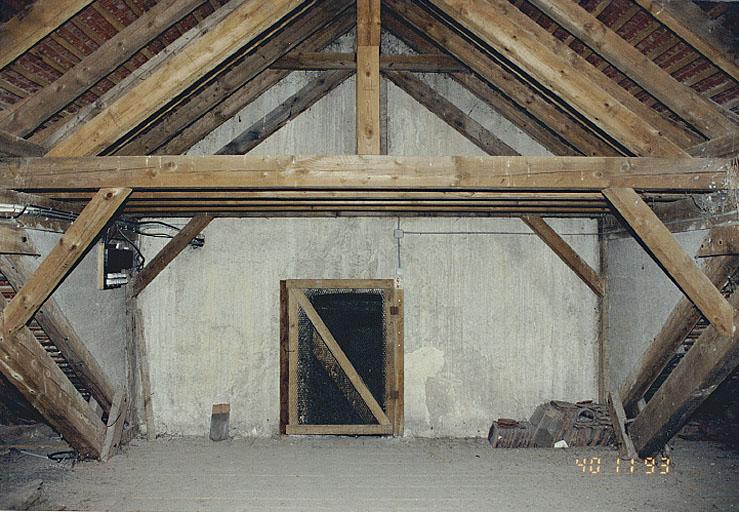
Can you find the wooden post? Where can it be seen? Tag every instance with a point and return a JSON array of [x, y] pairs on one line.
[[668, 253], [368, 77], [60, 261]]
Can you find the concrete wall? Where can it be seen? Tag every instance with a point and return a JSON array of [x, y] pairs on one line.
[[98, 316], [495, 324], [640, 298]]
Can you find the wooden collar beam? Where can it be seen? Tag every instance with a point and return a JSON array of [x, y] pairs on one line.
[[368, 172]]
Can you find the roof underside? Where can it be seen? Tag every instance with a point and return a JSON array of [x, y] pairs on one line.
[[232, 84]]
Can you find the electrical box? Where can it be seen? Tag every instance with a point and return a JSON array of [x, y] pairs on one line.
[[115, 258]]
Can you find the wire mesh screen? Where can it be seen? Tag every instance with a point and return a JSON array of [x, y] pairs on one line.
[[356, 319]]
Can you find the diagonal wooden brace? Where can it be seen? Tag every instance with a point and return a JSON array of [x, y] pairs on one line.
[[677, 264]]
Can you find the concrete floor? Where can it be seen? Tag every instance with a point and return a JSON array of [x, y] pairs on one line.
[[374, 474]]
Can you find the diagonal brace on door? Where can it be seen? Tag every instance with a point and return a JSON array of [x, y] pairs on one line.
[[356, 380]]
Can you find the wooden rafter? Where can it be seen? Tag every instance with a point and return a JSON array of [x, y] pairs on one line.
[[689, 22], [708, 362], [679, 266], [52, 320], [30, 113], [288, 110], [705, 115], [27, 366], [169, 252], [720, 147], [368, 77], [60, 261], [681, 321], [240, 27], [621, 115], [566, 253], [219, 112], [44, 16], [525, 97], [52, 134], [449, 113], [233, 79], [12, 145]]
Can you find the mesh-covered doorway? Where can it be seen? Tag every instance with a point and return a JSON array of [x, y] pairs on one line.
[[341, 357]]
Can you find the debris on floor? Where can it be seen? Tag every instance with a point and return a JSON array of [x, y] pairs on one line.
[[556, 424], [22, 498]]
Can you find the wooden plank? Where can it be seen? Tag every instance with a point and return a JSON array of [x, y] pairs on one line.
[[18, 270], [116, 420], [55, 132], [241, 27], [368, 77], [169, 252], [667, 252], [450, 113], [345, 172], [226, 109], [293, 390], [14, 240], [720, 147], [233, 79], [339, 430], [356, 380], [12, 145], [566, 253], [689, 22], [284, 356], [705, 115], [571, 77], [60, 261], [368, 100], [618, 418], [43, 17], [397, 326], [322, 61], [342, 284], [292, 107], [24, 116], [681, 321], [494, 98], [721, 241], [368, 22], [708, 362], [324, 357], [142, 357], [524, 94], [27, 366], [603, 317]]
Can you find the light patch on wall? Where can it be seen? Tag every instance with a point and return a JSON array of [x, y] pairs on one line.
[[420, 366]]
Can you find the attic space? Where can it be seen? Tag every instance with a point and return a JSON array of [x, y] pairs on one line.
[[369, 255]]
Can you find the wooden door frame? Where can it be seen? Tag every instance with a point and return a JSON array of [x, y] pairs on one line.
[[393, 305]]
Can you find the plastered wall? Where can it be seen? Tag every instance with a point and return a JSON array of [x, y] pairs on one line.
[[494, 323]]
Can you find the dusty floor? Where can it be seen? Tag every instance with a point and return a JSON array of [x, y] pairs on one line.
[[375, 474]]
